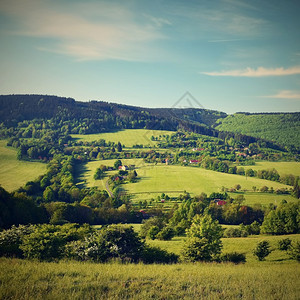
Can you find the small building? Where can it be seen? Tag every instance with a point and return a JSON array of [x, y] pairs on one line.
[[194, 161], [221, 202]]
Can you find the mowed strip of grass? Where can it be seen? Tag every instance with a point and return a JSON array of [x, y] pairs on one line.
[[127, 137], [283, 167], [74, 280], [15, 173]]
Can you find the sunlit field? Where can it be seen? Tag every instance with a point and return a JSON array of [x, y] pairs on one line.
[[127, 137], [15, 173]]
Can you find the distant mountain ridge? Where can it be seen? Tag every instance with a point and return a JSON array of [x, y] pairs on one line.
[[100, 116]]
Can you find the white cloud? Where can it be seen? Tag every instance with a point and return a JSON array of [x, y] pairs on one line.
[[285, 94], [259, 72], [89, 31]]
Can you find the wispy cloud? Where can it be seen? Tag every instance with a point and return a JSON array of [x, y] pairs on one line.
[[89, 31], [259, 72], [285, 94]]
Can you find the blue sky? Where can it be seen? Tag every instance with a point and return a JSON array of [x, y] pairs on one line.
[[231, 55]]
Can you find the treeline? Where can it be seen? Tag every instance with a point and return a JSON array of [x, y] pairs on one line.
[[94, 117]]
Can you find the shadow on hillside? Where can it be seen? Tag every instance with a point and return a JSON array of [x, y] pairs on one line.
[[80, 170]]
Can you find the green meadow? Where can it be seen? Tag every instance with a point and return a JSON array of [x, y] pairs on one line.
[[283, 167], [173, 180], [15, 173], [276, 278], [127, 137]]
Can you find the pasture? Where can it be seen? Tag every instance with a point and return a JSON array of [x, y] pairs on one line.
[[24, 279], [127, 137], [15, 173], [173, 180], [283, 167]]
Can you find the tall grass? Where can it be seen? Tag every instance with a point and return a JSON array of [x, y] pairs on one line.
[[72, 280]]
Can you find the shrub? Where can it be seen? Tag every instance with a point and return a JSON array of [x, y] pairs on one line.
[[284, 244], [233, 257], [166, 234], [234, 232], [262, 250], [153, 231], [152, 255], [294, 251], [11, 239], [91, 248]]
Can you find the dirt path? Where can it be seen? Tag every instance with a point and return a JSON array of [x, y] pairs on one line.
[[108, 189]]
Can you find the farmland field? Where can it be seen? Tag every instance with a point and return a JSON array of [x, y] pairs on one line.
[[173, 180], [15, 173], [127, 137], [283, 167]]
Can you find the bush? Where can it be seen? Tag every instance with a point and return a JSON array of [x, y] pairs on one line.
[[262, 250], [233, 257], [197, 249], [152, 255], [153, 231], [234, 232], [91, 248], [11, 239], [284, 244], [166, 234], [294, 251]]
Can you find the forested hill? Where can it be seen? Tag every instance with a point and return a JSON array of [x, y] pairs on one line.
[[282, 128], [99, 116]]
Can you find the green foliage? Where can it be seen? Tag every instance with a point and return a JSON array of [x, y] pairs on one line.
[[235, 232], [156, 255], [117, 164], [99, 174], [294, 251], [153, 231], [203, 239], [166, 234], [284, 219], [282, 128], [262, 250], [11, 240], [284, 244], [233, 257]]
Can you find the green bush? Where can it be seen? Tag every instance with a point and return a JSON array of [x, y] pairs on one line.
[[262, 250], [294, 251], [166, 234], [233, 257], [156, 255], [234, 232], [11, 239], [284, 244]]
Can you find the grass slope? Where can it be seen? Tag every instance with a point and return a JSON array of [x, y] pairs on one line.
[[128, 137], [173, 180], [15, 173], [280, 128], [73, 280], [282, 167]]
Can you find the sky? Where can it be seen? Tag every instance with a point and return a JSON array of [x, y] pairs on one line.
[[226, 55]]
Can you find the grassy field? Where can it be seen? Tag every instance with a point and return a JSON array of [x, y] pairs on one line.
[[15, 173], [128, 137], [173, 180], [244, 245], [73, 280], [282, 167]]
